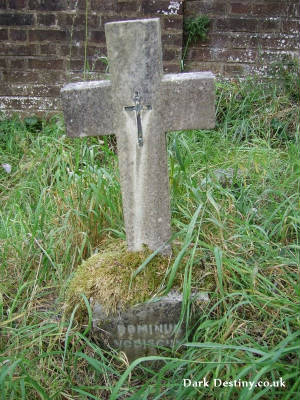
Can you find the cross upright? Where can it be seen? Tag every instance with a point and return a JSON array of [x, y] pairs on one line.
[[140, 104]]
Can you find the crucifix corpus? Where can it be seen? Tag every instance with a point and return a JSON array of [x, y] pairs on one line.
[[140, 104]]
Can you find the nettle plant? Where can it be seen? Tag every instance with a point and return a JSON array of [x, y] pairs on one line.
[[195, 28]]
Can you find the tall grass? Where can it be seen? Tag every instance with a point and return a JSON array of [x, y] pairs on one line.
[[239, 240]]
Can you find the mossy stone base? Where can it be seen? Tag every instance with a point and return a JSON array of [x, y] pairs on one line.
[[109, 277], [123, 316]]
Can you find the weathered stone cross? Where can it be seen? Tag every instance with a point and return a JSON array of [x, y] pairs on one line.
[[140, 105]]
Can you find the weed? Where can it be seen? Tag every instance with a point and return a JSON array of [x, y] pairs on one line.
[[237, 238], [195, 28], [288, 73]]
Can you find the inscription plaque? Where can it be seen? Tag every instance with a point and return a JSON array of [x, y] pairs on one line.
[[139, 330]]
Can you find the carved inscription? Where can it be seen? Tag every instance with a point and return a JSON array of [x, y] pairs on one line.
[[140, 329], [143, 343], [145, 330], [145, 335]]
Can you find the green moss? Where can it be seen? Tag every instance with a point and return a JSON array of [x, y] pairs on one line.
[[107, 278]]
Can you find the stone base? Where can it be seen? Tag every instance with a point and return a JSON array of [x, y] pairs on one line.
[[139, 330]]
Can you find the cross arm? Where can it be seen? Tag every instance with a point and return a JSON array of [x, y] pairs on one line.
[[87, 108], [188, 101]]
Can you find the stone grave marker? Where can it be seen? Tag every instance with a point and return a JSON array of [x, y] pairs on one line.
[[140, 104], [143, 326]]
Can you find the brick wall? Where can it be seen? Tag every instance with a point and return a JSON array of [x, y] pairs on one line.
[[244, 35], [44, 43]]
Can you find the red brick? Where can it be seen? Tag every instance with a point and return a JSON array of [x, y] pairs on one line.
[[18, 63], [5, 88], [205, 8], [215, 67], [172, 39], [226, 49], [2, 64], [170, 54], [93, 21], [16, 19], [24, 113], [243, 40], [280, 42], [97, 36], [93, 50], [18, 35], [203, 54], [103, 5], [3, 34], [77, 65], [235, 55], [158, 7], [47, 35], [80, 5], [216, 39], [48, 49], [62, 51], [44, 90], [268, 9], [47, 77], [236, 25], [30, 89], [241, 8], [294, 9], [77, 35], [48, 5], [127, 7], [45, 64], [16, 4], [19, 103], [269, 56], [269, 25], [64, 19], [77, 76], [171, 67], [77, 20], [46, 19], [172, 22], [291, 27], [65, 50], [235, 70], [18, 50]]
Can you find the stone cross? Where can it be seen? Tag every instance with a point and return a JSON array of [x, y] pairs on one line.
[[140, 104]]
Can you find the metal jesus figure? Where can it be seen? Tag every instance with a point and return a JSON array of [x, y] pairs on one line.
[[138, 108], [140, 104]]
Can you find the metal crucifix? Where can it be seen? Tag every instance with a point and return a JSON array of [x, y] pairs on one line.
[[138, 107]]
